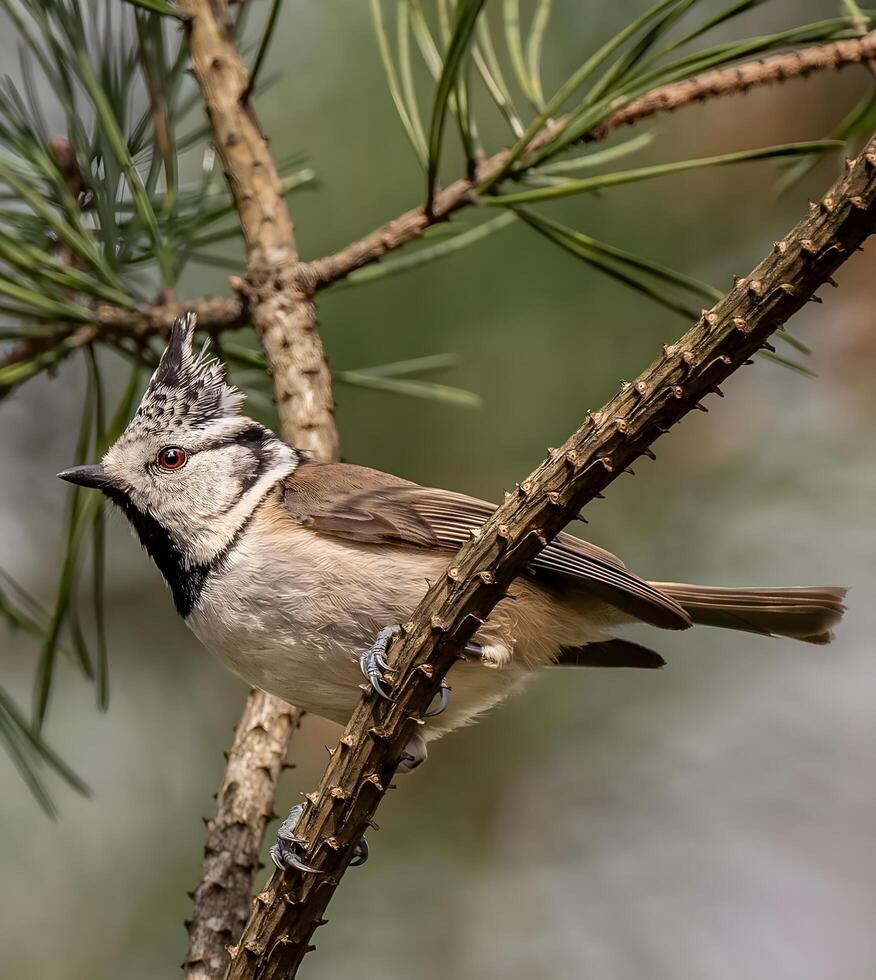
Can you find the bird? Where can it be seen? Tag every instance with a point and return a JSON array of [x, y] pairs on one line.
[[297, 574]]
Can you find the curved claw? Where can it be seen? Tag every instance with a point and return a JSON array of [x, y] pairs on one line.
[[284, 857], [444, 695], [361, 855], [372, 662], [374, 679], [283, 852]]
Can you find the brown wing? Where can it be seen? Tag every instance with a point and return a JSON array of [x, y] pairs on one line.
[[365, 505]]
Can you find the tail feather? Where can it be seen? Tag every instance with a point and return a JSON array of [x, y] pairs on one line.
[[610, 653], [799, 612]]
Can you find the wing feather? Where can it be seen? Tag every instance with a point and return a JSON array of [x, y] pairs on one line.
[[375, 508]]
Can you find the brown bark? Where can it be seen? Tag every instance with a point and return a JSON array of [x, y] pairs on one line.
[[710, 85], [286, 913], [285, 320], [281, 312], [244, 806], [214, 316], [114, 322]]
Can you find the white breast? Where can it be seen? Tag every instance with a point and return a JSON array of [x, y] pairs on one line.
[[290, 610]]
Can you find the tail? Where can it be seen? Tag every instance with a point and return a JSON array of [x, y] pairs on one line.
[[802, 613]]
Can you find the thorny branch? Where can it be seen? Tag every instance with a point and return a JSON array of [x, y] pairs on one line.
[[292, 905], [235, 833]]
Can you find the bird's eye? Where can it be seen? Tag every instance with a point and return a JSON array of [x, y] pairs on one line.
[[172, 458]]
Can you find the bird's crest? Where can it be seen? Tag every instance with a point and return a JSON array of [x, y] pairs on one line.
[[188, 389]]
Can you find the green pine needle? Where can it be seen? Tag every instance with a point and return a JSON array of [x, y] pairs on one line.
[[590, 184], [423, 256], [393, 82], [161, 7], [467, 13], [428, 390]]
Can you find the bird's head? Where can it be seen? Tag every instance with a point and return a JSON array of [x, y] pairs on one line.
[[189, 469]]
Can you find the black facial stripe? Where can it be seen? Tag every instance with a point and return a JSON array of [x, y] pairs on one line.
[[264, 459], [253, 437], [186, 581], [258, 441]]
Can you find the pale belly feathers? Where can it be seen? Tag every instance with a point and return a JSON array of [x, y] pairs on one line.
[[289, 611]]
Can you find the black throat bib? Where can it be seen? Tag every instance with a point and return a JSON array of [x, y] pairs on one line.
[[186, 581]]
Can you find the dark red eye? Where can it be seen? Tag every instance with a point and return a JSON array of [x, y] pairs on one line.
[[172, 458]]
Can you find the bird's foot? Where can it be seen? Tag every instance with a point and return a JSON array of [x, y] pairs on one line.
[[372, 662], [284, 853]]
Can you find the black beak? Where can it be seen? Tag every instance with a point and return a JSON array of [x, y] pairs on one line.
[[92, 476]]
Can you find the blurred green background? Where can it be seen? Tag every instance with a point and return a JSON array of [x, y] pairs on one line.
[[713, 820]]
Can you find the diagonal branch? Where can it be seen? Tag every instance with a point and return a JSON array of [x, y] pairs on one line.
[[286, 913], [709, 85], [285, 320]]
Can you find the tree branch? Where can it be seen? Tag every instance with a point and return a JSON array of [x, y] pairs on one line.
[[281, 312], [709, 85], [287, 912], [285, 320], [116, 322], [245, 806], [285, 315], [214, 315]]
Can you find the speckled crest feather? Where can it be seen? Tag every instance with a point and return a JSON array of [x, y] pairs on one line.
[[187, 389]]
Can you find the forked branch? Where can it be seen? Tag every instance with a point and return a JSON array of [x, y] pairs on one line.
[[286, 913]]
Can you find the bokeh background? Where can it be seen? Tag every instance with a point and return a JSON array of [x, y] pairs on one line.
[[713, 820]]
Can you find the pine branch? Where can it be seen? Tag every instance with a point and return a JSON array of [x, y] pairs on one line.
[[285, 320], [111, 324], [305, 403], [281, 313], [245, 806], [215, 315], [709, 85], [292, 905]]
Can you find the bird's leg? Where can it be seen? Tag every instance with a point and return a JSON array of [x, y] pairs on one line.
[[284, 852]]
